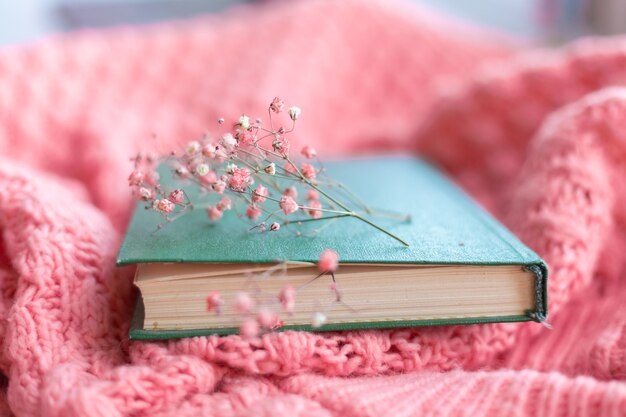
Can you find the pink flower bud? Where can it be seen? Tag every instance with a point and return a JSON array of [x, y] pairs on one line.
[[249, 329], [260, 194], [311, 211], [239, 180], [245, 137], [214, 302], [287, 298], [253, 212], [146, 194], [288, 205], [209, 149], [219, 187], [224, 204], [291, 192], [312, 195], [136, 178], [275, 227], [243, 303], [266, 318], [164, 205], [309, 152], [308, 171], [177, 196], [214, 213], [329, 261], [277, 105]]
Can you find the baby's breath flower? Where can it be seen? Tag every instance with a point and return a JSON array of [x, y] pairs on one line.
[[220, 120], [224, 204], [146, 194], [209, 149], [275, 227], [260, 194], [182, 172], [287, 298], [291, 192], [229, 140], [193, 148], [239, 179], [277, 105], [270, 169], [288, 205], [243, 302], [318, 319], [313, 205], [312, 195], [219, 187], [249, 328], [244, 121], [309, 152], [214, 213], [328, 261], [164, 205], [253, 211], [308, 171], [177, 196], [230, 169], [136, 178], [266, 318], [214, 302], [202, 170], [294, 113]]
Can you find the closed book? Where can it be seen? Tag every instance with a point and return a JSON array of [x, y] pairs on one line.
[[461, 265]]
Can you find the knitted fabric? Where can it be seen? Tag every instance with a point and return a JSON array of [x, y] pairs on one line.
[[537, 137]]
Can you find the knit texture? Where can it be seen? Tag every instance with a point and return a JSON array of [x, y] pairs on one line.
[[538, 137]]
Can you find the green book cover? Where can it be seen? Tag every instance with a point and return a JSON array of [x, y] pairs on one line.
[[446, 227]]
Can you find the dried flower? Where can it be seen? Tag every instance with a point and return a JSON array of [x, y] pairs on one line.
[[214, 213], [266, 318], [219, 187], [291, 192], [244, 122], [287, 298], [192, 148], [277, 105], [308, 171], [253, 211], [260, 194], [224, 204], [214, 302], [177, 196], [270, 169], [312, 206], [243, 303], [318, 319], [136, 178], [164, 205], [312, 195], [288, 205], [275, 227], [239, 180], [328, 261], [294, 112], [146, 194], [249, 328], [220, 120], [309, 152], [229, 140], [202, 170], [246, 137]]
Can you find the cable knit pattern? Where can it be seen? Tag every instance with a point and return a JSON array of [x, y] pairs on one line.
[[537, 137]]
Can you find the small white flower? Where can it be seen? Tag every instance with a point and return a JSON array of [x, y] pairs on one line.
[[229, 140], [275, 227], [193, 148], [294, 112], [230, 168], [244, 121], [202, 170], [270, 169], [318, 319]]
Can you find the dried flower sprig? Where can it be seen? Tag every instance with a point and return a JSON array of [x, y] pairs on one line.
[[260, 312], [252, 164]]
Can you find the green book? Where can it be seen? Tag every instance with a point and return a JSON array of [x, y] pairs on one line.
[[461, 266]]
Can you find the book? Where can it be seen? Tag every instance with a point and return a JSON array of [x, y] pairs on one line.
[[461, 266]]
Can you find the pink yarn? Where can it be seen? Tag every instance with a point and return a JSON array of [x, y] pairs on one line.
[[539, 139]]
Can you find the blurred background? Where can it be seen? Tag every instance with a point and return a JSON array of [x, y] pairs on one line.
[[541, 21]]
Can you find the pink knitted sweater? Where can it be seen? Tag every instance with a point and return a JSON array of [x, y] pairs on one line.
[[538, 137]]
